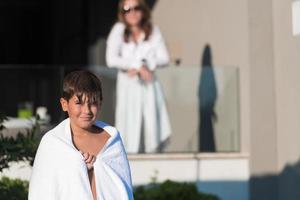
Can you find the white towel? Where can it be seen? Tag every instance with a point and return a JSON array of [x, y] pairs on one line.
[[60, 173]]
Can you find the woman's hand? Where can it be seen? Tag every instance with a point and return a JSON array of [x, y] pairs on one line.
[[145, 74], [89, 159], [132, 72]]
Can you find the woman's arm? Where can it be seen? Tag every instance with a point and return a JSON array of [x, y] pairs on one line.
[[159, 56], [113, 50]]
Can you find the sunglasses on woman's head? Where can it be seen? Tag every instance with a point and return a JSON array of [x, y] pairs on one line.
[[128, 9]]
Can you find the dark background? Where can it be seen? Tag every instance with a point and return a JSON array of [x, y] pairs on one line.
[[52, 31], [40, 41]]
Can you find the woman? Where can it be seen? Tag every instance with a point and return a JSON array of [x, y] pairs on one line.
[[137, 49]]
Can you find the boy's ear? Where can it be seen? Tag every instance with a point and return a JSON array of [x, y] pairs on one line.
[[64, 104]]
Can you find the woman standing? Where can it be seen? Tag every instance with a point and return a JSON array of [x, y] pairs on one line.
[[137, 49]]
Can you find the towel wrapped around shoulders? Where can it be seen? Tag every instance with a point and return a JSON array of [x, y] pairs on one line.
[[60, 173]]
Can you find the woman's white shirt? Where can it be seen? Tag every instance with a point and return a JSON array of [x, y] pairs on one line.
[[131, 55], [139, 102]]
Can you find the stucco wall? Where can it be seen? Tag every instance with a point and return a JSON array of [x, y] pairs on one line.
[[190, 25], [287, 67]]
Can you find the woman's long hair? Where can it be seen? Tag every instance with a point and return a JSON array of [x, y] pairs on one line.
[[145, 23]]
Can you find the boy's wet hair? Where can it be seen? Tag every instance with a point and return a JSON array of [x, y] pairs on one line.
[[82, 83]]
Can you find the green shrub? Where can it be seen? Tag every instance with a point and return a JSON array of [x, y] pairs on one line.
[[23, 147], [13, 189], [20, 148], [170, 190]]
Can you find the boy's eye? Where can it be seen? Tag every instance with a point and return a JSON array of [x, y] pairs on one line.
[[77, 102]]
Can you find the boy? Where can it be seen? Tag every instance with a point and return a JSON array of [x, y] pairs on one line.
[[81, 158]]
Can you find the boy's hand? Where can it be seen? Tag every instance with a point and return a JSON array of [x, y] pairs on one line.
[[89, 159]]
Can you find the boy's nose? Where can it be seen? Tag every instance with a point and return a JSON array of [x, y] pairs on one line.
[[87, 108]]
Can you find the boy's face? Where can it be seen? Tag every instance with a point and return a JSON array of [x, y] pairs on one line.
[[81, 112]]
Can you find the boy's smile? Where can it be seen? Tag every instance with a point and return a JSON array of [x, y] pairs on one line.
[[81, 111]]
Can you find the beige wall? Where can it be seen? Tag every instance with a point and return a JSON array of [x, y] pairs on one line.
[[262, 89], [264, 149], [255, 36], [189, 25], [287, 65]]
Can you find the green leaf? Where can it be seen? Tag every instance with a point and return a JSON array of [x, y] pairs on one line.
[[23, 147]]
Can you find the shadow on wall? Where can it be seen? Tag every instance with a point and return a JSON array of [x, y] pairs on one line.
[[226, 190], [207, 95], [284, 186]]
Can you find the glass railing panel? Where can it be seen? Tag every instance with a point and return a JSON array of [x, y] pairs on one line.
[[203, 106]]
